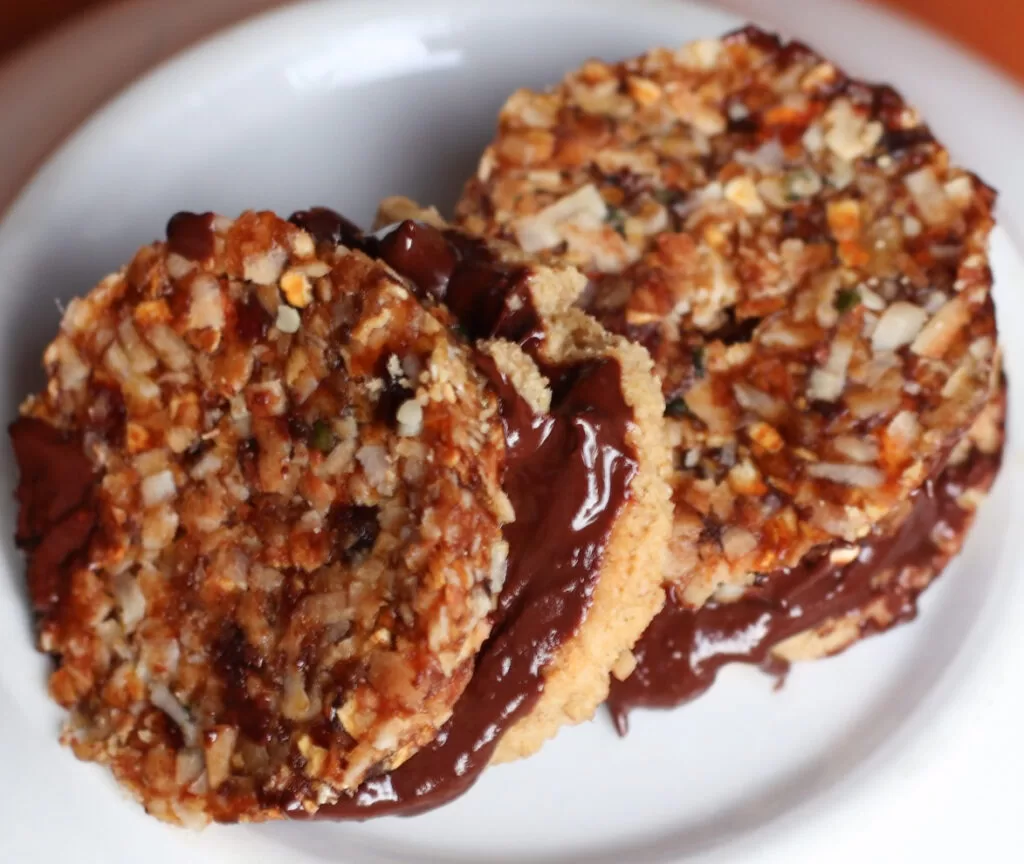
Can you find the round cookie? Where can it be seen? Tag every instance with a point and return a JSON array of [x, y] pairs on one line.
[[586, 474], [831, 599], [956, 495], [801, 258], [261, 501], [627, 592]]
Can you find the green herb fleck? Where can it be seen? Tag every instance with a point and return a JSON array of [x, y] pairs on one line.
[[617, 219], [322, 438], [677, 408], [801, 183], [665, 197], [846, 299], [698, 361]]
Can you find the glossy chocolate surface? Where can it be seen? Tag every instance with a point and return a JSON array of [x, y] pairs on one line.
[[568, 475], [679, 656], [56, 519]]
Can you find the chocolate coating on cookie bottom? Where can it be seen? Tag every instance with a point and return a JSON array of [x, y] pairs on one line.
[[679, 656], [568, 474]]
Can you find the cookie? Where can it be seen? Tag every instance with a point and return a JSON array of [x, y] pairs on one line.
[[833, 598], [586, 475], [805, 264], [261, 503]]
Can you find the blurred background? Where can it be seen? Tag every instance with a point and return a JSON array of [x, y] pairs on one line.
[[991, 28]]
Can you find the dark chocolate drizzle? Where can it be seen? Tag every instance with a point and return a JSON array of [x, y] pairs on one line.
[[683, 649], [488, 297], [56, 519], [190, 235], [326, 226], [568, 474]]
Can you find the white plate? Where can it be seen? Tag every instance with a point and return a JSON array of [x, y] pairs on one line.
[[341, 103]]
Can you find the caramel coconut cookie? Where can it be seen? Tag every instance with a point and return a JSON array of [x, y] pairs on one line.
[[585, 472], [804, 263], [833, 598], [261, 502]]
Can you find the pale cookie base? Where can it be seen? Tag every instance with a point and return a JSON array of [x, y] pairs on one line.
[[629, 591]]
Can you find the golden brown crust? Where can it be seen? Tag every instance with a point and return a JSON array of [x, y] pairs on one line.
[[807, 267], [300, 521]]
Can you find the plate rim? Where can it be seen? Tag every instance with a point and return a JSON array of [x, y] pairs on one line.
[[132, 89]]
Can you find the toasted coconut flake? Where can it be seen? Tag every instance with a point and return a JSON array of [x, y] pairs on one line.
[[161, 696], [584, 208], [848, 475], [929, 196], [158, 488], [941, 331], [207, 307], [898, 326]]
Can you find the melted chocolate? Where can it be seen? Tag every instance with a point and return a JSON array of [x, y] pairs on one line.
[[680, 654], [568, 475], [190, 235], [420, 253], [488, 297], [253, 321], [326, 226], [56, 519]]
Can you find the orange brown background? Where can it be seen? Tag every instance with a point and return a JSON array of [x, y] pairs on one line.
[[992, 28]]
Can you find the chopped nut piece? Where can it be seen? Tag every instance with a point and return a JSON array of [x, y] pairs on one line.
[[584, 209], [288, 319], [297, 289], [898, 326], [844, 555], [410, 418], [943, 329]]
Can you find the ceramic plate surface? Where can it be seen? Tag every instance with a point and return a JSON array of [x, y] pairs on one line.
[[341, 103]]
